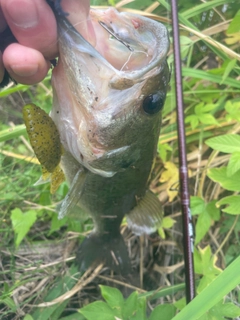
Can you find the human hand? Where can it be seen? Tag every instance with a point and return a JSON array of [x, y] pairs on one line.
[[33, 24]]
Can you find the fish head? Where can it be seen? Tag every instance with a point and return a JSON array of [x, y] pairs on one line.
[[108, 95]]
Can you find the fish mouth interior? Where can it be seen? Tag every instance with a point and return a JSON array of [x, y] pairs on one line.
[[122, 41]]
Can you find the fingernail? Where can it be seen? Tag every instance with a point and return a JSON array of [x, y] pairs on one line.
[[24, 15], [24, 71]]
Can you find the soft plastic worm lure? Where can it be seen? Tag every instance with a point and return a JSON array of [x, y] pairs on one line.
[[45, 141]]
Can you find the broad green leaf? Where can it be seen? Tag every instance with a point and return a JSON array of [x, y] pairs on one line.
[[202, 226], [230, 310], [113, 297], [167, 312], [233, 250], [168, 222], [112, 2], [233, 164], [215, 312], [209, 107], [220, 311], [233, 110], [22, 223], [197, 205], [212, 294], [207, 118], [233, 204], [220, 175], [205, 281], [141, 310], [204, 108], [130, 305], [198, 108], [98, 310], [162, 150], [234, 25], [193, 120], [198, 267], [205, 263], [185, 40], [227, 143], [56, 223], [180, 304], [28, 317], [213, 210], [73, 316]]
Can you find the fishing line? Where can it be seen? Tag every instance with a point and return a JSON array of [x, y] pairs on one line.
[[183, 170], [129, 58], [126, 61]]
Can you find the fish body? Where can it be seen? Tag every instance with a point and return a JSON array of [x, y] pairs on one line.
[[107, 102]]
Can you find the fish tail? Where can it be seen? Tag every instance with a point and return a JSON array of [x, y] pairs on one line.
[[104, 248]]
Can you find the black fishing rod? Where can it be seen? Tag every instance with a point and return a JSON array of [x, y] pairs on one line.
[[183, 170]]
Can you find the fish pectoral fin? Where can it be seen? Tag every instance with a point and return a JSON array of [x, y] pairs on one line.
[[73, 195], [147, 216]]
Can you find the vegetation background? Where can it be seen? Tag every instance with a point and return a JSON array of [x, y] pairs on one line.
[[38, 279]]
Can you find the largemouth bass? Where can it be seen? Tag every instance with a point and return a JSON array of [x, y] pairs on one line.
[[108, 94]]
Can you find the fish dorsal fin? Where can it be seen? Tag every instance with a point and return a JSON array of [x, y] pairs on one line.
[[147, 216], [73, 196]]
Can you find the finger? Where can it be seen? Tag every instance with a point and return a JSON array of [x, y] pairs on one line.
[[33, 24], [25, 65], [79, 18], [3, 23]]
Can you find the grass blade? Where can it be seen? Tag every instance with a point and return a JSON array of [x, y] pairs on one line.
[[12, 133], [200, 74], [212, 294], [195, 10]]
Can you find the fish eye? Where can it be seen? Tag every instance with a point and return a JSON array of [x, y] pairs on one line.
[[153, 103]]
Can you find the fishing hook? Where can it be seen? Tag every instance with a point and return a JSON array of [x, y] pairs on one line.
[[109, 30]]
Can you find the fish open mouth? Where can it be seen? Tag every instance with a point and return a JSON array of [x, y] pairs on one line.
[[122, 39]]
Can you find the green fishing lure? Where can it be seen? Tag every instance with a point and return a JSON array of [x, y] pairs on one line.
[[45, 141]]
